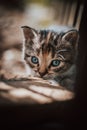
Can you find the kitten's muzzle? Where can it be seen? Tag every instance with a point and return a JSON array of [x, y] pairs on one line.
[[42, 73]]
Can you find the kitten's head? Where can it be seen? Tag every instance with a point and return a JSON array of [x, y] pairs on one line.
[[49, 53]]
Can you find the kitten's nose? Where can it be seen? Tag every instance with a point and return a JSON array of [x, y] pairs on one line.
[[42, 73]]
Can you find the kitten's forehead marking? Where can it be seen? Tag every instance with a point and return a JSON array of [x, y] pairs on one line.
[[48, 37]]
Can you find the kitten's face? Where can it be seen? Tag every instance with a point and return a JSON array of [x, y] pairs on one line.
[[48, 53]]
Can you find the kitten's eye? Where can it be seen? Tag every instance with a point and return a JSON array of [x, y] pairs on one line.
[[34, 60], [55, 62]]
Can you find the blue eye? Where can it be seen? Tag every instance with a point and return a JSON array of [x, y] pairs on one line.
[[34, 60], [55, 63]]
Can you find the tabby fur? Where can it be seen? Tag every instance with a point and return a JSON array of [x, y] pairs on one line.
[[54, 54]]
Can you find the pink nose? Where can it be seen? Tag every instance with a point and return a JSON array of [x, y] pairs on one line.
[[42, 73]]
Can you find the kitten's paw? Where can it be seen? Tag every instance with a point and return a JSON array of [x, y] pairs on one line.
[[53, 82]]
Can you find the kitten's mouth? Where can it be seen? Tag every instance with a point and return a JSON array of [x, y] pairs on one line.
[[45, 77], [48, 76]]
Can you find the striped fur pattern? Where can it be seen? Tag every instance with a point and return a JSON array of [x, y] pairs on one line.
[[52, 54]]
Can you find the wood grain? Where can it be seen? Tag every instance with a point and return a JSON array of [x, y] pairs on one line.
[[32, 91]]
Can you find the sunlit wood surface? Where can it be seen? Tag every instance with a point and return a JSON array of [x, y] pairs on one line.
[[32, 91]]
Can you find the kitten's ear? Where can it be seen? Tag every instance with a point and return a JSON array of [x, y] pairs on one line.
[[29, 33], [71, 36]]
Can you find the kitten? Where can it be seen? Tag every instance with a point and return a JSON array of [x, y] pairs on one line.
[[51, 54]]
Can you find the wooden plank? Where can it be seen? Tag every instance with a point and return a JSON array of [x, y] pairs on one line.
[[32, 91]]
